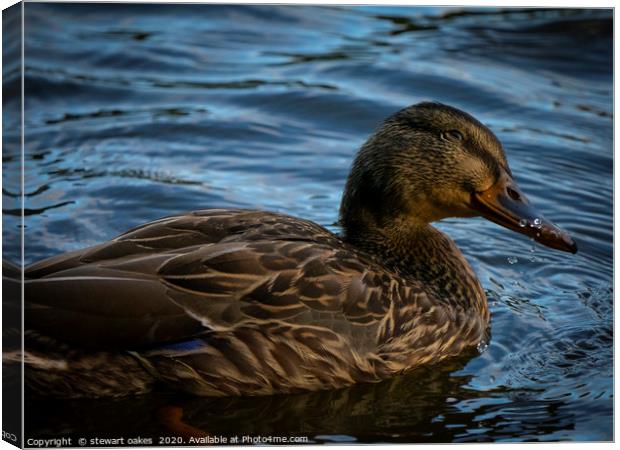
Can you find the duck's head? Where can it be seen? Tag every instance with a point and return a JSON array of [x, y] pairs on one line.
[[430, 161]]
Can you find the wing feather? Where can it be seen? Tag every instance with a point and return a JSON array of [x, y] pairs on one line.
[[212, 269]]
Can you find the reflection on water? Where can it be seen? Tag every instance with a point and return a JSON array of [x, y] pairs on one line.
[[134, 112], [429, 405]]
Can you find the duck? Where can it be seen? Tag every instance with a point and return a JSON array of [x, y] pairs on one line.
[[236, 302]]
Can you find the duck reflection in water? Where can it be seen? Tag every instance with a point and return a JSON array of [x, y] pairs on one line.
[[430, 404]]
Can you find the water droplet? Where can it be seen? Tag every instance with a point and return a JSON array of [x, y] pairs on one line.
[[537, 223], [523, 223], [513, 260], [482, 346], [451, 400]]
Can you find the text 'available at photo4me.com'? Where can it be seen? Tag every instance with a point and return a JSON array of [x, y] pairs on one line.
[[163, 440]]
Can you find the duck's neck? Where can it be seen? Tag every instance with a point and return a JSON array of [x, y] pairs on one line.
[[421, 252]]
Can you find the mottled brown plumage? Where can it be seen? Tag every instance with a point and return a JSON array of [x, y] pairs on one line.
[[236, 302]]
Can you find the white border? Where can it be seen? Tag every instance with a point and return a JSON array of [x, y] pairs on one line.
[[470, 3]]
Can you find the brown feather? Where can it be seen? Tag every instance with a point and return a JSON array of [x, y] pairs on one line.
[[238, 302]]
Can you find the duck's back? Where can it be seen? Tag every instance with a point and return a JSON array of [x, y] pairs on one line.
[[236, 302], [207, 270]]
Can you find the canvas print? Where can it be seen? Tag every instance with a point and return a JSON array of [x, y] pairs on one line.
[[298, 224]]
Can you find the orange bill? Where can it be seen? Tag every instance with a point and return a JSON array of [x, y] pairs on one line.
[[505, 204]]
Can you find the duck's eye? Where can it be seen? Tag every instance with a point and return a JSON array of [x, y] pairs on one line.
[[452, 135]]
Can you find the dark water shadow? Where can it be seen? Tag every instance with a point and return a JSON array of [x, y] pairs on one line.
[[432, 404]]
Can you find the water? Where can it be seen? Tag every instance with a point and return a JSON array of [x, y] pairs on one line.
[[137, 112]]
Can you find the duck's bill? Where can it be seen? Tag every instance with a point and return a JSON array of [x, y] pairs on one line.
[[505, 205]]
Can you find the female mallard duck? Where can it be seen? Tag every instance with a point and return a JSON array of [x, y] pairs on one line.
[[236, 302]]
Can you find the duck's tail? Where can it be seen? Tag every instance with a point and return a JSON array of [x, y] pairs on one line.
[[54, 369]]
